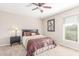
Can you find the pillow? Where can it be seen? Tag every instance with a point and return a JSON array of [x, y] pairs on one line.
[[33, 34], [27, 33]]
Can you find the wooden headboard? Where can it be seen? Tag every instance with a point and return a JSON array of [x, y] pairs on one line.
[[30, 30]]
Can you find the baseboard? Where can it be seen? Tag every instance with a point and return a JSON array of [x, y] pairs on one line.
[[5, 45], [68, 46]]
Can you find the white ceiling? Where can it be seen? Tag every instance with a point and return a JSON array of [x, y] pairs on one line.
[[26, 9]]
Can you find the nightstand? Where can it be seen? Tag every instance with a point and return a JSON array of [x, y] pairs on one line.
[[15, 39]]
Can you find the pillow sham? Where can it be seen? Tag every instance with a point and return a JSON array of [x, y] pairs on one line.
[[27, 33]]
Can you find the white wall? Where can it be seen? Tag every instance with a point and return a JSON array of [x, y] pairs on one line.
[[58, 34], [8, 20]]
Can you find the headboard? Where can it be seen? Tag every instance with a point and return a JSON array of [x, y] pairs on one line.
[[30, 30]]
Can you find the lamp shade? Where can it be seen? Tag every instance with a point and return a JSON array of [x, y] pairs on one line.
[[15, 31]]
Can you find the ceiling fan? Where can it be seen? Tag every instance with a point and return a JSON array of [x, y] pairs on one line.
[[38, 5]]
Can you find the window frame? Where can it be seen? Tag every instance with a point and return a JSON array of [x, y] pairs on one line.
[[65, 25]]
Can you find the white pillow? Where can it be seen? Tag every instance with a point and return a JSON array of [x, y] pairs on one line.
[[33, 34]]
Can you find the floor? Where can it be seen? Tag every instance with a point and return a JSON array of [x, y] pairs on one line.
[[19, 50], [14, 50], [60, 51]]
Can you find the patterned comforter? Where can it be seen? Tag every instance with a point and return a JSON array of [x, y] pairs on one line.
[[38, 43]]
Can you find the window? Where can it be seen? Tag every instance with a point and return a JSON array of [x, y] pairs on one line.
[[71, 27]]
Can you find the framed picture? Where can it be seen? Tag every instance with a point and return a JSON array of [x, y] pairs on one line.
[[51, 25]]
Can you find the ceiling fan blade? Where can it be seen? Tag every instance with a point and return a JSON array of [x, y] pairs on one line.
[[38, 4], [35, 4], [46, 6], [41, 4], [35, 8]]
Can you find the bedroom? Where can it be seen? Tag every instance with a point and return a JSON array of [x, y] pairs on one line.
[[17, 17]]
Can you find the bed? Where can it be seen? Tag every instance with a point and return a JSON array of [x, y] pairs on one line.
[[35, 43]]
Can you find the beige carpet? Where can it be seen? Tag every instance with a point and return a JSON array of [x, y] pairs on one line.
[[19, 50], [60, 51], [14, 50]]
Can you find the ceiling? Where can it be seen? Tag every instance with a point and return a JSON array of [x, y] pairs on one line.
[[26, 8]]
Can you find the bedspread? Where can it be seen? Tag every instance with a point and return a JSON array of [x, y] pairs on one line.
[[35, 44]]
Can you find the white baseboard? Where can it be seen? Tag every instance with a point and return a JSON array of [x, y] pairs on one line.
[[68, 46], [4, 45]]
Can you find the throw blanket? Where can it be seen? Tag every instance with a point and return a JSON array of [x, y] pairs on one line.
[[38, 43]]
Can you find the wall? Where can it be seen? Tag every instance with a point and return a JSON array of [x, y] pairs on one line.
[[58, 34], [8, 20]]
